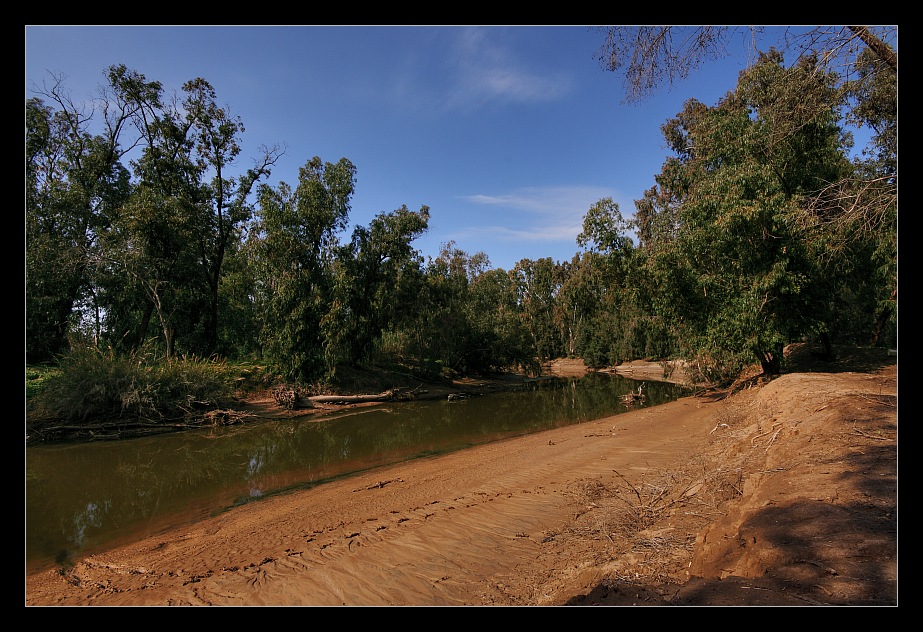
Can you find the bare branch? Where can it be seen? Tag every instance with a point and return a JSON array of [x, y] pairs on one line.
[[657, 55], [653, 56]]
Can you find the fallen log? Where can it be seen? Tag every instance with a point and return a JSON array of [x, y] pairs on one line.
[[387, 396]]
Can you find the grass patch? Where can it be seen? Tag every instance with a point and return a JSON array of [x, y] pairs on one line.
[[36, 378]]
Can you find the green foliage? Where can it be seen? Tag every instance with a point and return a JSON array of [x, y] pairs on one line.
[[739, 270], [716, 366], [538, 283], [131, 255], [499, 339], [759, 231], [293, 255], [604, 229], [74, 181], [378, 278], [37, 376], [91, 384], [238, 320], [745, 246]]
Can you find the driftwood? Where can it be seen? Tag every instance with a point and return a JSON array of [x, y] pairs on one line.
[[631, 398], [387, 396], [123, 428]]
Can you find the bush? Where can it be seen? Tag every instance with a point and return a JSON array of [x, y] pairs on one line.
[[93, 384]]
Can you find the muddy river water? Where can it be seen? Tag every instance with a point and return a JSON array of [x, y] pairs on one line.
[[83, 497]]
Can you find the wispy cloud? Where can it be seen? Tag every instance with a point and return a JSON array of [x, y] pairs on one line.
[[539, 213], [463, 69], [486, 72], [557, 232], [575, 200]]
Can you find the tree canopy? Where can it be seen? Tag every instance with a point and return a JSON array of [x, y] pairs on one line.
[[762, 227]]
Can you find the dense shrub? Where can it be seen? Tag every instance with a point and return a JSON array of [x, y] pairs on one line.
[[94, 384]]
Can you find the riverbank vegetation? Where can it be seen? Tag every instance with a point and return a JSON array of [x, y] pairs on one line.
[[158, 267]]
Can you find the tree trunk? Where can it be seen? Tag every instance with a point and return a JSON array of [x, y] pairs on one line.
[[881, 49], [882, 319], [771, 362], [828, 347]]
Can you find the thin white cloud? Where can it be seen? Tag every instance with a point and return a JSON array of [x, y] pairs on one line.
[[539, 213], [463, 69], [559, 232], [486, 72], [560, 200]]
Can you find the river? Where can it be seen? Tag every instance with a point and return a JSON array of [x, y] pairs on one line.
[[86, 497]]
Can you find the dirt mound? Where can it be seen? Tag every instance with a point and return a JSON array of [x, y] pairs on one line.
[[798, 495]]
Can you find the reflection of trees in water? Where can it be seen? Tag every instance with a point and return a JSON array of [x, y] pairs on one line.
[[91, 516], [552, 403]]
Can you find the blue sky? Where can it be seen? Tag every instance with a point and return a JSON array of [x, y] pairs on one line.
[[507, 133]]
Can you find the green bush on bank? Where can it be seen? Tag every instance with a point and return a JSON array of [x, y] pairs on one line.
[[89, 383]]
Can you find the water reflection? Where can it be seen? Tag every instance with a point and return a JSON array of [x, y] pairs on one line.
[[81, 497]]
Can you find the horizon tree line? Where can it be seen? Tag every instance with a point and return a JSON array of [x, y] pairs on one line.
[[758, 231]]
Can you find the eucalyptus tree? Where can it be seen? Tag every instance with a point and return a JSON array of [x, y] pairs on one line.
[[538, 284], [580, 310], [599, 275], [188, 199], [656, 217], [227, 204], [183, 154], [740, 272], [191, 151], [146, 265], [439, 336], [238, 317], [378, 276], [503, 340], [621, 324], [468, 313], [147, 245], [74, 180], [862, 210], [653, 56], [293, 248], [849, 213]]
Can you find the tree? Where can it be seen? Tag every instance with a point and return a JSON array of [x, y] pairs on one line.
[[148, 242], [76, 191], [741, 269], [578, 306], [539, 281], [470, 315], [864, 208], [378, 274], [294, 249], [443, 324], [500, 338], [653, 55], [238, 317], [846, 214], [74, 180], [656, 218], [604, 229], [217, 137], [605, 298], [190, 150]]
